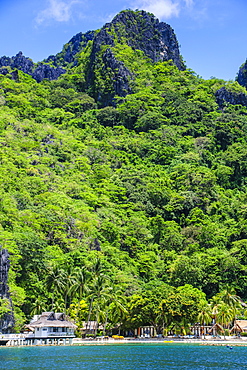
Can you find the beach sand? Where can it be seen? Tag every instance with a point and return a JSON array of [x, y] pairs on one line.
[[208, 341]]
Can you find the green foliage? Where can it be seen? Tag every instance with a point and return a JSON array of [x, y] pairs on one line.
[[4, 307], [130, 215]]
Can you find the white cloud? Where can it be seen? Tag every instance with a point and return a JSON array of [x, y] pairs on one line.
[[164, 9], [57, 10]]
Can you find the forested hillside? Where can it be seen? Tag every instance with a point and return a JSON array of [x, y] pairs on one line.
[[122, 202]]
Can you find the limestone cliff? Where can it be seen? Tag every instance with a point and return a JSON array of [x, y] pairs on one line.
[[71, 49], [7, 322], [139, 30], [143, 31], [242, 75], [22, 63], [224, 96]]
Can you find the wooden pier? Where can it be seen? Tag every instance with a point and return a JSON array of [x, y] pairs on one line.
[[14, 340]]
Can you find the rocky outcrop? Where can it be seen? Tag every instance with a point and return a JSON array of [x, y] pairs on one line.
[[143, 31], [19, 61], [121, 74], [44, 71], [71, 49], [7, 321], [224, 96], [120, 77], [139, 30], [242, 75], [22, 63]]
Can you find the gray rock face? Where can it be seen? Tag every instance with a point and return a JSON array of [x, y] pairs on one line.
[[44, 71], [7, 322], [120, 77], [139, 30], [121, 74], [143, 31], [4, 270], [26, 65], [242, 75], [225, 96], [19, 61], [73, 47]]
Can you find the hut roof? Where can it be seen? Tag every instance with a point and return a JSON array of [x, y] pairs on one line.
[[217, 327], [236, 328], [242, 324], [52, 319]]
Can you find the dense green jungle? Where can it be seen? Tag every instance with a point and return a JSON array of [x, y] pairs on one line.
[[129, 210]]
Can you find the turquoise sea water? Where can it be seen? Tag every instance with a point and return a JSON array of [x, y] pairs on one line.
[[125, 356]]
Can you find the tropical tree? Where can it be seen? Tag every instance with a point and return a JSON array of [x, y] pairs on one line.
[[77, 311], [4, 307], [116, 308], [98, 291], [204, 316], [69, 283], [230, 302], [55, 282], [80, 286], [38, 306], [225, 315], [229, 297]]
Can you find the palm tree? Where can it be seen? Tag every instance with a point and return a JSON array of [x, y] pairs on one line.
[[38, 306], [230, 299], [70, 281], [100, 293], [163, 316], [55, 282], [80, 286], [225, 315], [98, 288], [116, 308], [204, 317]]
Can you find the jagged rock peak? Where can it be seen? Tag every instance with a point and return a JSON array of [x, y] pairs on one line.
[[68, 55], [19, 61], [139, 29], [26, 65], [242, 75], [143, 31]]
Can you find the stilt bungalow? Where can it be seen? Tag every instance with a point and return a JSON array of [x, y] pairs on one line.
[[51, 328]]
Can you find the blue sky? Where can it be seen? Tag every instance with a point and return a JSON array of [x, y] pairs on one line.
[[212, 33]]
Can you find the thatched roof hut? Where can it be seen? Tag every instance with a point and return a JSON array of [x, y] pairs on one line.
[[51, 319], [216, 327], [241, 325], [236, 328]]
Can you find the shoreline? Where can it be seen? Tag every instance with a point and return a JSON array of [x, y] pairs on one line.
[[205, 342], [231, 342]]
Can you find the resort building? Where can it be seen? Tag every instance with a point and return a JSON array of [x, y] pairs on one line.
[[145, 332], [240, 326], [90, 328], [50, 328]]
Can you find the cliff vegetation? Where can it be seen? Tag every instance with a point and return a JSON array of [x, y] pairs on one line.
[[123, 182]]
